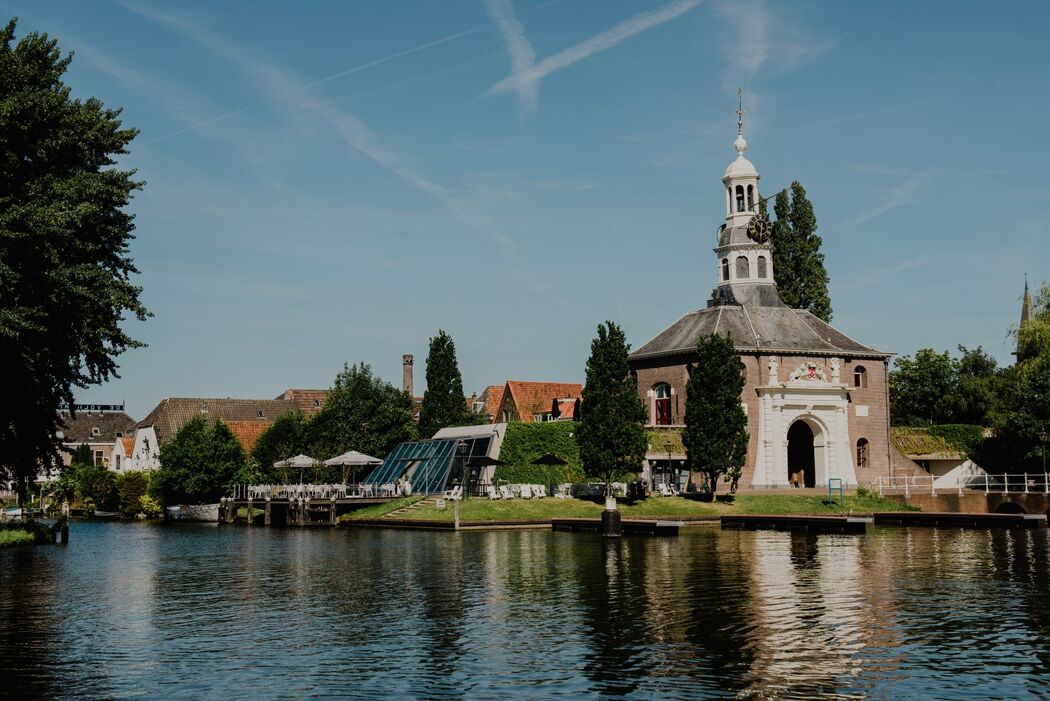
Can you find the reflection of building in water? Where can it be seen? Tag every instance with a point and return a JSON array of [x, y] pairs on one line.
[[817, 613]]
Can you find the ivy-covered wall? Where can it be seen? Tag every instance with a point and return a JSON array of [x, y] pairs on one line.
[[524, 442]]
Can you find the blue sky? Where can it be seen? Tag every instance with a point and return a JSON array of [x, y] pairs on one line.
[[330, 182]]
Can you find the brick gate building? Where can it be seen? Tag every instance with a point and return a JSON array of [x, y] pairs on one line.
[[817, 401]]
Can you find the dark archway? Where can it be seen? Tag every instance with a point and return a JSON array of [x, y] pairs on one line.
[[800, 453], [1009, 507]]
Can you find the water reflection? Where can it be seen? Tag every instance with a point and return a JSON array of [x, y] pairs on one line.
[[206, 612]]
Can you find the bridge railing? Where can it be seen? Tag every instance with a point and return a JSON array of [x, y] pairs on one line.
[[1020, 483]]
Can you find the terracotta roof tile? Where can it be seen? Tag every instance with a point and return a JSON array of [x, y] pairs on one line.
[[173, 413], [129, 445], [309, 401], [248, 432], [530, 398]]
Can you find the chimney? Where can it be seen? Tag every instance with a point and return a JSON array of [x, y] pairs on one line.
[[406, 365]]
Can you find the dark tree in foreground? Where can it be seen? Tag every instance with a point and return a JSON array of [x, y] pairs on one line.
[[715, 434], [611, 434], [64, 265], [798, 264], [443, 403], [362, 413]]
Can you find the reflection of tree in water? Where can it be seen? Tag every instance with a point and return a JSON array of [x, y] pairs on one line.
[[1021, 562], [27, 637], [613, 604]]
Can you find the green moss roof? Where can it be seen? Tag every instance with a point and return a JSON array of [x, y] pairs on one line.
[[919, 442], [658, 438]]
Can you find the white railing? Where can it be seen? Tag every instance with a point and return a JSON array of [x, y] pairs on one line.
[[317, 491], [1023, 483]]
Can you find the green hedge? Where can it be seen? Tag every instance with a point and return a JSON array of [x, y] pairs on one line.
[[964, 437], [524, 442]]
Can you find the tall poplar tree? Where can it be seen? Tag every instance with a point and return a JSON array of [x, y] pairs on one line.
[[64, 267], [798, 264], [443, 403], [715, 434], [611, 434]]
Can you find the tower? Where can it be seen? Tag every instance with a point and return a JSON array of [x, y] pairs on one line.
[[1026, 302], [745, 259], [406, 373]]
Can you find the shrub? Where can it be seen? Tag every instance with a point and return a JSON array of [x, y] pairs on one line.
[[131, 487], [150, 506], [524, 442]]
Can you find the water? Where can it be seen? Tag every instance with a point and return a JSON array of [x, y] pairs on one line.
[[137, 610]]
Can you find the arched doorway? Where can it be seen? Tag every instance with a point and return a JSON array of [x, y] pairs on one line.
[[801, 455]]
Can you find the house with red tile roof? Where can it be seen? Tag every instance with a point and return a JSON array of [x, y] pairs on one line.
[[488, 402], [535, 401], [309, 401]]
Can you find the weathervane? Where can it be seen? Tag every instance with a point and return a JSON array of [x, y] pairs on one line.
[[739, 111]]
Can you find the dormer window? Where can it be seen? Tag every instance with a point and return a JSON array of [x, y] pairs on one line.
[[261, 413], [95, 432]]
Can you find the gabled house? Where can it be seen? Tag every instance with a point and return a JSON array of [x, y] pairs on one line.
[[488, 402], [172, 414], [309, 401], [536, 401], [97, 429]]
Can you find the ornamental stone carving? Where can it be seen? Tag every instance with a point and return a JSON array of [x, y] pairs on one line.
[[808, 372]]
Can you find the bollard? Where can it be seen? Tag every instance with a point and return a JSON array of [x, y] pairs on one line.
[[612, 526]]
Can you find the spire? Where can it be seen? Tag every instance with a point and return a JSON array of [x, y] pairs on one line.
[[1026, 302], [740, 144]]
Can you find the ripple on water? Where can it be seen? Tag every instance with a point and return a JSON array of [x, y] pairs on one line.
[[189, 612]]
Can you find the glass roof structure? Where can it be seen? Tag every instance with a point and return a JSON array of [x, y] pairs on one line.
[[430, 465]]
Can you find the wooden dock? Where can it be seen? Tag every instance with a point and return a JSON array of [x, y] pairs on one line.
[[935, 519], [855, 525], [630, 526], [292, 512]]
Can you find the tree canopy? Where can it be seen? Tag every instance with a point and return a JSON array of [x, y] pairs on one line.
[[611, 434], [362, 413], [715, 434], [284, 438], [64, 265], [443, 402], [798, 264], [199, 464], [935, 388]]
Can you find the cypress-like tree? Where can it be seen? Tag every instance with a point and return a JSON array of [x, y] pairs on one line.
[[798, 264], [715, 434], [443, 403], [611, 434], [82, 455]]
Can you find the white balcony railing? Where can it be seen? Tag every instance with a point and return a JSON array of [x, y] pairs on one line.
[[1024, 483]]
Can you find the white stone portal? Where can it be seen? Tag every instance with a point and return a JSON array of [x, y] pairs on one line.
[[823, 405]]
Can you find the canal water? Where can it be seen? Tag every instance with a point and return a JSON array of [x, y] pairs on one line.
[[138, 610]]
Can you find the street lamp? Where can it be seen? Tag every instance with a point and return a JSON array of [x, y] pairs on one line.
[[1043, 437], [667, 446]]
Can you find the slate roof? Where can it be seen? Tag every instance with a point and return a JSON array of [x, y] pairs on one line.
[[531, 398], [109, 424], [173, 413], [309, 401], [769, 329]]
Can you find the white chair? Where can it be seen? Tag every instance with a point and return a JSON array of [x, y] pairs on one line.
[[526, 491], [494, 495], [505, 492], [539, 491], [564, 491]]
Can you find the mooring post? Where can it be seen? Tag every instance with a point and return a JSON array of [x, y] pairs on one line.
[[612, 525], [455, 510], [332, 513], [267, 513]]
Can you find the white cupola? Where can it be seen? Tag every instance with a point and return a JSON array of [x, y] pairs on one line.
[[745, 258]]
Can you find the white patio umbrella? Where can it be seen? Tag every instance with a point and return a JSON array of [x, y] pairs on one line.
[[352, 459], [299, 461]]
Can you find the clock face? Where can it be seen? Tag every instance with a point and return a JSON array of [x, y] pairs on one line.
[[759, 228]]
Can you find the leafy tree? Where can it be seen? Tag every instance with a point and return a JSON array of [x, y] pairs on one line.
[[611, 433], [1017, 444], [798, 264], [64, 265], [284, 438], [922, 388], [443, 402], [715, 434], [82, 455], [131, 487], [362, 413], [977, 387], [199, 464], [1033, 336]]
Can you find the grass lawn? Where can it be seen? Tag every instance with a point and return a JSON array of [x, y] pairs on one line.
[[15, 537], [377, 510], [481, 509]]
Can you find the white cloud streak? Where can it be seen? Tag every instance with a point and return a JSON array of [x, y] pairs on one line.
[[519, 50], [527, 78], [905, 193], [272, 77]]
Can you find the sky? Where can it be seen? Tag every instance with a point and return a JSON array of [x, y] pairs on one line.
[[334, 182]]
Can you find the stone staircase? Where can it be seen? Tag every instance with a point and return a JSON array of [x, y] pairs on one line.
[[399, 513]]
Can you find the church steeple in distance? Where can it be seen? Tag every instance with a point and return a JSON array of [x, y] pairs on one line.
[[745, 259], [1026, 302]]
